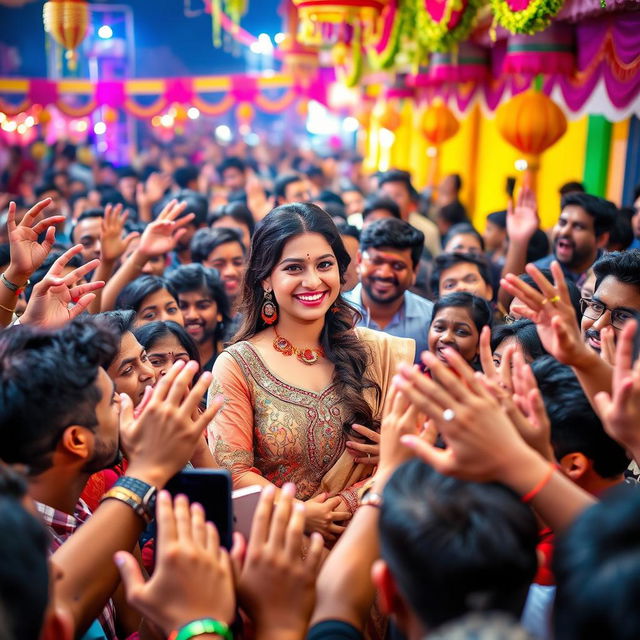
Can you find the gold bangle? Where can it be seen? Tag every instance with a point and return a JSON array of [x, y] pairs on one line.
[[11, 311]]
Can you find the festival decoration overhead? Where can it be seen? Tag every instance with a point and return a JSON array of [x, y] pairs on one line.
[[66, 21], [437, 123], [442, 24], [525, 16]]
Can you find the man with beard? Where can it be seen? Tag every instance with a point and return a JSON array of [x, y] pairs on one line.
[[580, 235], [389, 255], [205, 308], [616, 296]]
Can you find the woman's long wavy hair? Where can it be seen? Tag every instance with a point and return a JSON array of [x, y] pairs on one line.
[[340, 343]]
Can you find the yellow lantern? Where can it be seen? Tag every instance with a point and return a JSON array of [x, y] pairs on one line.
[[438, 123], [66, 21], [245, 113]]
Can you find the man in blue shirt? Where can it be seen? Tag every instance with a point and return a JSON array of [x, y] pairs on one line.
[[580, 235], [389, 254]]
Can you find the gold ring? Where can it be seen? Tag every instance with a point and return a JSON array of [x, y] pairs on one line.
[[551, 300]]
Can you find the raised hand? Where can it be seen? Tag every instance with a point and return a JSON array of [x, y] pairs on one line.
[[162, 235], [153, 190], [112, 242], [522, 219], [27, 254], [193, 578], [499, 372], [51, 299], [551, 310], [365, 453], [276, 585], [620, 410], [162, 437]]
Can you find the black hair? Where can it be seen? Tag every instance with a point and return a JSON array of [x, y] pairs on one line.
[[456, 547], [43, 269], [127, 172], [335, 210], [314, 170], [24, 568], [621, 265], [232, 162], [182, 176], [238, 211], [499, 218], [340, 343], [575, 426], [538, 246], [453, 213], [94, 212], [326, 196], [148, 334], [574, 292], [397, 234], [636, 192], [525, 334], [597, 569], [602, 211], [571, 187], [40, 190], [282, 182], [351, 187], [478, 307], [48, 382], [196, 204], [206, 240], [447, 260], [398, 175], [134, 294], [386, 204], [346, 229], [621, 234], [5, 254], [197, 277], [460, 229]]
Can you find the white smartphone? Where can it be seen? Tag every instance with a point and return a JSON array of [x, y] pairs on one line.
[[244, 503]]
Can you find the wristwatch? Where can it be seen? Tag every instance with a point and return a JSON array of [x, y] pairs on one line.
[[139, 495], [371, 498]]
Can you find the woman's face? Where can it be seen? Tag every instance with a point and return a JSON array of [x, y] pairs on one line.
[[131, 371], [164, 352], [498, 352], [160, 305], [454, 327], [305, 280]]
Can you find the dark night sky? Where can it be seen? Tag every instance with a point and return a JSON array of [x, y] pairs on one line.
[[167, 42]]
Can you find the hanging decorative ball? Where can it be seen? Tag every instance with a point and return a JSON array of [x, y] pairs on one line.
[[245, 113], [44, 117], [67, 21], [531, 122], [110, 115], [438, 123], [302, 109], [387, 114]]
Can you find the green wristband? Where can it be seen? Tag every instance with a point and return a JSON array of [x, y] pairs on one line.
[[200, 627]]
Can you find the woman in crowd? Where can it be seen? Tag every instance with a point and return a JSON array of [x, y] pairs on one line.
[[152, 298], [521, 333], [165, 344], [456, 323], [298, 375]]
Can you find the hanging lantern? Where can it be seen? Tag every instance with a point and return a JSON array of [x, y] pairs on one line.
[[437, 123], [531, 122], [299, 60], [66, 21], [302, 109], [110, 116], [321, 20], [550, 52], [44, 118], [387, 114]]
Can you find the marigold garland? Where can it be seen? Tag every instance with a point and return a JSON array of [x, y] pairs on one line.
[[436, 35], [536, 17]]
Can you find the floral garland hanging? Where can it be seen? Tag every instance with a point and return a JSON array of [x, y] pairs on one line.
[[535, 15], [455, 24]]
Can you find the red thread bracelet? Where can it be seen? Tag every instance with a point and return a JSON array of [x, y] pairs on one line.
[[528, 497]]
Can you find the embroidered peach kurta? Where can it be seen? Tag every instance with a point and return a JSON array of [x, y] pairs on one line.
[[290, 434]]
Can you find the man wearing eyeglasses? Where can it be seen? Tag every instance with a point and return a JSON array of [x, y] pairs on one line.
[[616, 296]]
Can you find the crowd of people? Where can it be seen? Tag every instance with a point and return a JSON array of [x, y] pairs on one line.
[[444, 422]]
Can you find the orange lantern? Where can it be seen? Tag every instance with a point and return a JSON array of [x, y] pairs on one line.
[[66, 21], [110, 115], [438, 123], [387, 113], [302, 109], [531, 122], [44, 117]]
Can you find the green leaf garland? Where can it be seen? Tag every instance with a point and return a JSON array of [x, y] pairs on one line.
[[437, 36], [536, 17]]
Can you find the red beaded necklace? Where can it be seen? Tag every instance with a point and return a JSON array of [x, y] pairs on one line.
[[308, 355]]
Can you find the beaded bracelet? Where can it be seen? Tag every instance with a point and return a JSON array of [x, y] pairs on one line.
[[200, 627], [528, 497]]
